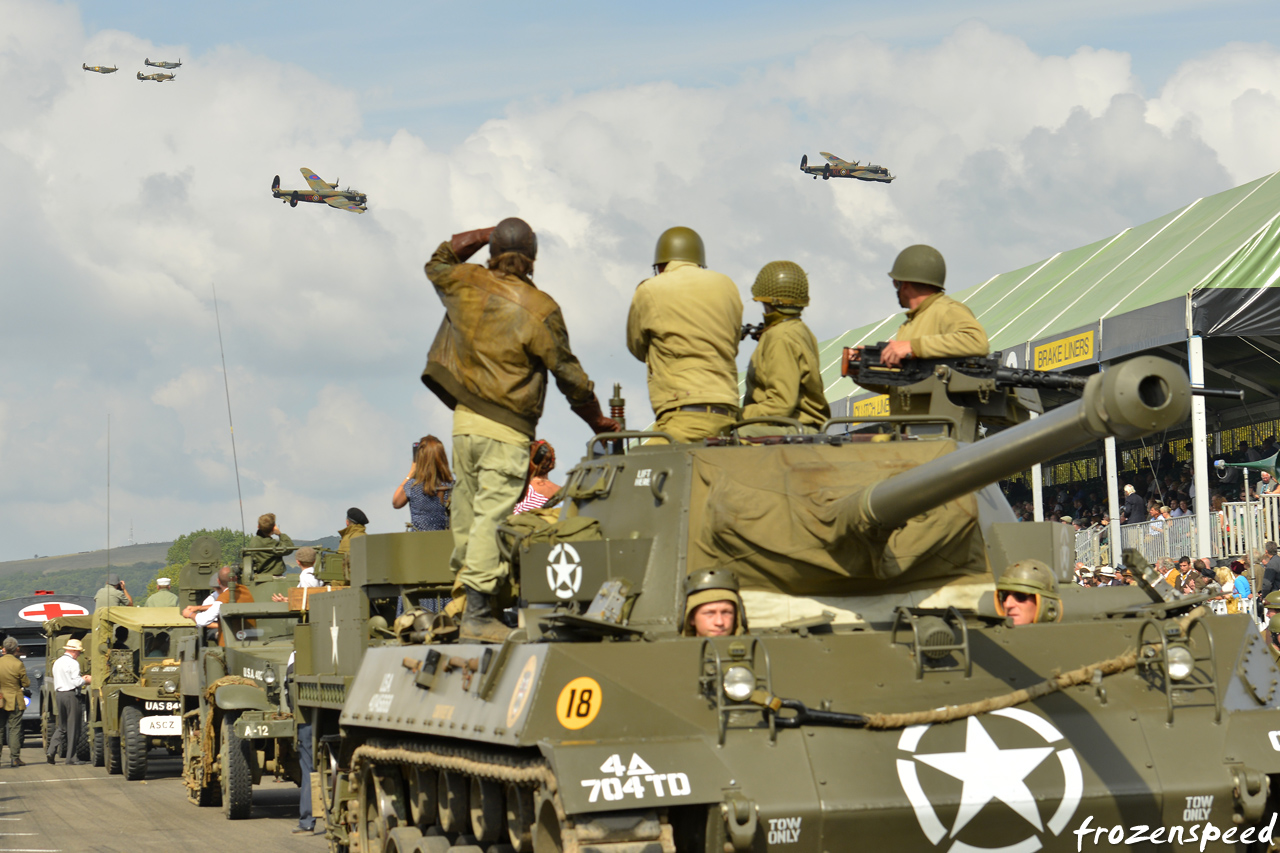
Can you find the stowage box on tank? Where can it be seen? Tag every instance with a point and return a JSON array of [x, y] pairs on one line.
[[877, 699]]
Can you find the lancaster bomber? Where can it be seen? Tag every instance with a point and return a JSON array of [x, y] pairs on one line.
[[163, 64], [321, 191], [101, 69], [159, 78], [837, 168]]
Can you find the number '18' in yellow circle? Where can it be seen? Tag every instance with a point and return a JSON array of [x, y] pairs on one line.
[[579, 702]]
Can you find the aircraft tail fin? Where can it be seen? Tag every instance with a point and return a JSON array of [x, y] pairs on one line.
[[275, 185]]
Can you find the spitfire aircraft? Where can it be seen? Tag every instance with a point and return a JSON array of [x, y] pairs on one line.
[[163, 64], [158, 77], [101, 69], [837, 168], [321, 191]]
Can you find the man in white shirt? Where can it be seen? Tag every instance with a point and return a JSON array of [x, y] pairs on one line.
[[307, 562], [66, 681]]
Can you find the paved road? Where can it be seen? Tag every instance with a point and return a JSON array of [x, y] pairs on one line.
[[60, 809]]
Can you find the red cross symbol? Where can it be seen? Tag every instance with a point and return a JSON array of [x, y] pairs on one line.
[[47, 610]]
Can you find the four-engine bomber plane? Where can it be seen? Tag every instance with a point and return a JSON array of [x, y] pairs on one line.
[[322, 192], [101, 69], [837, 168], [163, 64], [158, 77]]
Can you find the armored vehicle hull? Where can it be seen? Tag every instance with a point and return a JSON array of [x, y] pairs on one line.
[[237, 725], [877, 696], [559, 741]]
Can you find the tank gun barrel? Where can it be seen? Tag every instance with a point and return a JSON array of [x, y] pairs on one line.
[[1132, 399]]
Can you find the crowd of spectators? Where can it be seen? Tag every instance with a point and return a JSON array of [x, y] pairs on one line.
[[1227, 583], [1165, 490]]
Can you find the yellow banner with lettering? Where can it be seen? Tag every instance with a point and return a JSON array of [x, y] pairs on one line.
[[1064, 351], [870, 407]]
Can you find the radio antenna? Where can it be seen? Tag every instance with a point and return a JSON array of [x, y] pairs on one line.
[[226, 384], [107, 580]]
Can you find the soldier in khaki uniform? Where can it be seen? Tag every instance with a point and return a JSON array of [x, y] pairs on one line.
[[685, 323], [489, 364], [937, 326], [13, 680], [784, 378]]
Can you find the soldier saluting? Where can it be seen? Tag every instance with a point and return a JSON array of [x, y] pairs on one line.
[[784, 378], [489, 364]]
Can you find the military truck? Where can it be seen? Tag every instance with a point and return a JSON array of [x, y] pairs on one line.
[[57, 631], [236, 721], [389, 574], [134, 704], [877, 698], [23, 619]]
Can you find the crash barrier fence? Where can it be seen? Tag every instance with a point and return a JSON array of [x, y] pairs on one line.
[[1175, 537], [1234, 525], [1172, 537]]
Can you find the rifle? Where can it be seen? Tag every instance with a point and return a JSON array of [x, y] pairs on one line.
[[864, 367], [750, 331]]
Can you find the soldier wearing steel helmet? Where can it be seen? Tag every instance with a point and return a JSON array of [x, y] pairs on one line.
[[712, 606], [489, 362], [784, 378], [1027, 592], [684, 324], [937, 326]]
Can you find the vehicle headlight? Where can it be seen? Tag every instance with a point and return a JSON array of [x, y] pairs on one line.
[[739, 682], [269, 676], [169, 687], [1180, 662]]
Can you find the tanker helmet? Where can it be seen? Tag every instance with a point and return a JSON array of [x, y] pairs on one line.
[[781, 283], [920, 264], [680, 244], [1033, 578], [708, 585], [514, 235]]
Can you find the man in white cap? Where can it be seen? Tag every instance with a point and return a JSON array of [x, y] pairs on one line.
[[163, 596], [66, 681]]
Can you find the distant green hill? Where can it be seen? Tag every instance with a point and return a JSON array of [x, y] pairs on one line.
[[78, 581], [86, 572]]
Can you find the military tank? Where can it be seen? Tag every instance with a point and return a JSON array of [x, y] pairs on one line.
[[876, 697]]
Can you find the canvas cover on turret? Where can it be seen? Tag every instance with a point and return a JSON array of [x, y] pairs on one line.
[[781, 518]]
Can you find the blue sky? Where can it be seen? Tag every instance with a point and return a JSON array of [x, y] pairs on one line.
[[1016, 131], [440, 69]]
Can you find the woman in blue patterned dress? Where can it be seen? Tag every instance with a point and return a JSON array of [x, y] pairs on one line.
[[427, 488]]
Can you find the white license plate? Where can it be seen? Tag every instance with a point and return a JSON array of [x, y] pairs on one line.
[[171, 725]]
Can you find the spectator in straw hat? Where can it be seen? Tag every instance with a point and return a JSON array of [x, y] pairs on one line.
[[66, 681]]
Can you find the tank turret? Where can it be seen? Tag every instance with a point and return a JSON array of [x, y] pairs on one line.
[[852, 524]]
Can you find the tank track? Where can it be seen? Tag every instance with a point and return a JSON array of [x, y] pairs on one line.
[[378, 763]]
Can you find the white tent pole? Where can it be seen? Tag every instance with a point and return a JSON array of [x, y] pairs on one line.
[[1037, 488], [1113, 492], [1199, 448], [1113, 499]]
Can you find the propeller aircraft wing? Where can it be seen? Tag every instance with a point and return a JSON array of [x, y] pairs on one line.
[[343, 204], [836, 161], [317, 183]]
